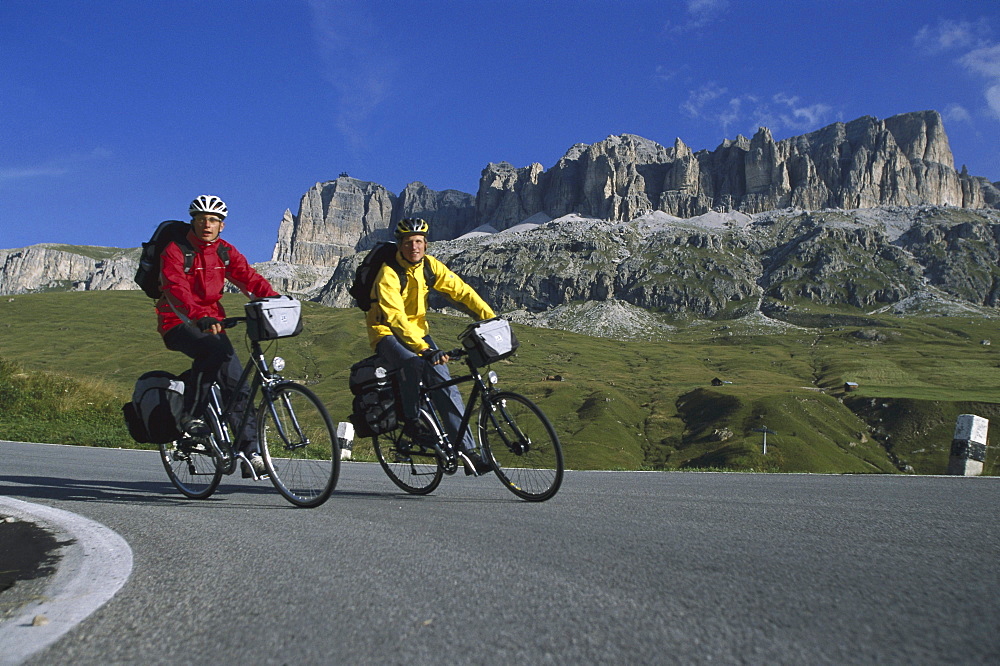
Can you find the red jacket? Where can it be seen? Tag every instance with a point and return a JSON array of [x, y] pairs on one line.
[[191, 296]]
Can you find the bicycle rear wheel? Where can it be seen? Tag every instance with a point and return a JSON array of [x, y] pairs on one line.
[[299, 444], [525, 450], [191, 468], [413, 467]]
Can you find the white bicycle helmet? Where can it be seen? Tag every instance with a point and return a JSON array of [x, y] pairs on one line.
[[207, 203]]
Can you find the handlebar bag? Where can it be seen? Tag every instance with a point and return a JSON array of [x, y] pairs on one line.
[[489, 341], [274, 317]]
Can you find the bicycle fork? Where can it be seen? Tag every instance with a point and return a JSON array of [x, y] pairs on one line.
[[523, 443], [301, 438]]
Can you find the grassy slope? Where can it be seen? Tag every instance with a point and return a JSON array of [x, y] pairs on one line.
[[622, 405]]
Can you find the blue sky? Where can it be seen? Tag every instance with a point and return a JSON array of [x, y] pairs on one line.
[[113, 115]]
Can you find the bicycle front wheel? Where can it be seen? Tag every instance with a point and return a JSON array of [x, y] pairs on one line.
[[523, 445], [412, 466], [298, 444], [191, 468]]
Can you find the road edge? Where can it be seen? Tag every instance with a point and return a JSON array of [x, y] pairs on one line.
[[90, 572]]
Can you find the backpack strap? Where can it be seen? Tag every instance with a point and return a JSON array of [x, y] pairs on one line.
[[400, 271], [188, 251], [429, 276]]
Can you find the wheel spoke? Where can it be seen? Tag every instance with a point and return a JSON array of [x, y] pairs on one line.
[[526, 452], [191, 468], [299, 445], [414, 468]]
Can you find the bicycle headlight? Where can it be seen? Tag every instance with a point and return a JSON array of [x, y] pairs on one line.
[[492, 378], [278, 364]]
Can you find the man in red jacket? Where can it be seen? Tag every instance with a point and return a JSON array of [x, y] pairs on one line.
[[190, 315]]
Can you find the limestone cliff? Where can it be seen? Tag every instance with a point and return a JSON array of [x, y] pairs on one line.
[[51, 267], [722, 265], [902, 161], [867, 214]]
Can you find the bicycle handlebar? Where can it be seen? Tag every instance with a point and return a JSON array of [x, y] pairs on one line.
[[229, 322]]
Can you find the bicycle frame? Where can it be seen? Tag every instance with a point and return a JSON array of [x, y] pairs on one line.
[[480, 390], [262, 381], [515, 439]]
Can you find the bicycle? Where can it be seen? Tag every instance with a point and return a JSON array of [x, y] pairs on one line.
[[296, 437], [514, 435]]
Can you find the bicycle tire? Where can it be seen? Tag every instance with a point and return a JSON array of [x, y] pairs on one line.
[[531, 466], [411, 466], [299, 444], [192, 470]]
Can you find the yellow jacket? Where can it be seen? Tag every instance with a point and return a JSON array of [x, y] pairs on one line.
[[405, 314]]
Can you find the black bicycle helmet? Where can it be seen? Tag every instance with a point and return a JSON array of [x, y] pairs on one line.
[[410, 226]]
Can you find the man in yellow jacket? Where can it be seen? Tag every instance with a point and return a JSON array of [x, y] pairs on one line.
[[399, 333]]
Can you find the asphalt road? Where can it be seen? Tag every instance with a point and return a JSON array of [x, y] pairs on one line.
[[617, 568]]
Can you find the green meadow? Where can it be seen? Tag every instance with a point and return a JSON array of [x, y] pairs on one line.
[[68, 361]]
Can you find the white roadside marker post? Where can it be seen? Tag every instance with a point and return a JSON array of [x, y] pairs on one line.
[[968, 448], [345, 437]]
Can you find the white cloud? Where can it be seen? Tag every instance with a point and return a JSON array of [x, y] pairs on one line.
[[993, 100], [703, 12], [20, 173], [354, 64], [981, 58], [802, 117], [949, 35], [956, 113], [748, 112], [733, 112], [700, 13], [53, 168], [984, 61], [664, 73], [699, 99]]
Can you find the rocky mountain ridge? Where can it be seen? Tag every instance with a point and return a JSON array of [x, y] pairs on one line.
[[727, 265], [866, 214], [54, 267], [904, 160]]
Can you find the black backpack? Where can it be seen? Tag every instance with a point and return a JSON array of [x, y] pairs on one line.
[[147, 275], [364, 277]]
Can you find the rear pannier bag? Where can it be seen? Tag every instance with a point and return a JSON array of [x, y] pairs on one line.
[[156, 407], [375, 398], [489, 341], [274, 317]]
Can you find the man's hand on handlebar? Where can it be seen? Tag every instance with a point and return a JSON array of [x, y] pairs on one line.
[[209, 325], [435, 356]]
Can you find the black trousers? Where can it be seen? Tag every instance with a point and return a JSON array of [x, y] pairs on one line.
[[214, 360]]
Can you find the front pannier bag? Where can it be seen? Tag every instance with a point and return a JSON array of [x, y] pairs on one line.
[[489, 341], [375, 398], [156, 407], [274, 317]]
